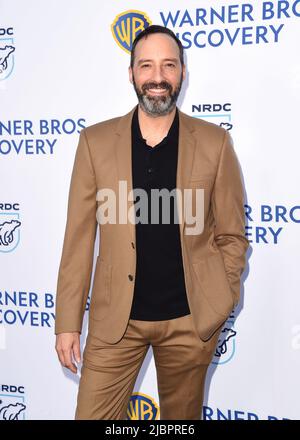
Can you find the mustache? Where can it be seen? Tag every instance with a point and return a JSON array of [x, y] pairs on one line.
[[152, 85]]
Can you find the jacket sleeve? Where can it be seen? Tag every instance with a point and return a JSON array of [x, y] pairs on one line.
[[74, 275], [229, 215]]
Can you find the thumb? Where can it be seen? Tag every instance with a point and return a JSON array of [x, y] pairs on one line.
[[76, 351]]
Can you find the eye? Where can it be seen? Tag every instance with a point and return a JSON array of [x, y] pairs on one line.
[[145, 65], [171, 65]]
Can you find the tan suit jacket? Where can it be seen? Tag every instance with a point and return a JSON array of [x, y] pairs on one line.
[[213, 261]]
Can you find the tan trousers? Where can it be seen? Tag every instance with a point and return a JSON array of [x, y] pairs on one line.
[[109, 371]]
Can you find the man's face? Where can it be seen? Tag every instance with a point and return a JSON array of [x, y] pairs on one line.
[[157, 74]]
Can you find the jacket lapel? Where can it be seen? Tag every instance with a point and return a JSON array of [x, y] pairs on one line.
[[124, 164], [186, 148]]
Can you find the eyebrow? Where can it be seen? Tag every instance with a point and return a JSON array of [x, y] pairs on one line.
[[144, 60]]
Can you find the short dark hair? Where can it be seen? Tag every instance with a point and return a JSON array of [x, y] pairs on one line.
[[155, 29]]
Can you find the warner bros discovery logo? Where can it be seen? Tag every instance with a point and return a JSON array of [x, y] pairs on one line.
[[142, 407], [7, 50], [9, 226], [127, 25], [12, 402]]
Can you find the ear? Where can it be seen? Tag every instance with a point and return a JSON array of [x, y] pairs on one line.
[[130, 74], [183, 72]]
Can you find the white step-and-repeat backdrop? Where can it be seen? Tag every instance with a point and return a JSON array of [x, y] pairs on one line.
[[63, 66]]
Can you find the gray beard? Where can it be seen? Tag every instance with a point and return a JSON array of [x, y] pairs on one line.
[[157, 105]]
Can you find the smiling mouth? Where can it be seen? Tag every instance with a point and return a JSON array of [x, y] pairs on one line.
[[157, 91]]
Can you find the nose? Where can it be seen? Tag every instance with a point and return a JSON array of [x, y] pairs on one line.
[[157, 74]]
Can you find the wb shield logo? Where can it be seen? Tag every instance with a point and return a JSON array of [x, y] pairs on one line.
[[142, 407], [9, 232], [127, 26], [6, 57], [225, 347]]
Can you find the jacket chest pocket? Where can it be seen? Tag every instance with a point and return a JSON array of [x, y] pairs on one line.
[[204, 188]]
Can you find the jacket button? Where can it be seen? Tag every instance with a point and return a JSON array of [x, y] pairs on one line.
[[130, 277]]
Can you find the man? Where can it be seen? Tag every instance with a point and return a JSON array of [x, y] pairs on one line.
[[159, 283]]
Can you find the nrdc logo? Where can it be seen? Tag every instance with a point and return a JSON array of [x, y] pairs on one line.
[[225, 347], [218, 113], [7, 49], [12, 403], [127, 25], [9, 227], [142, 407]]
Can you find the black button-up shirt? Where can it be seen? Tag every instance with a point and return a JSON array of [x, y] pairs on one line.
[[159, 291]]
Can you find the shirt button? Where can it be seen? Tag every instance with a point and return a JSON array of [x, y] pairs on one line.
[[132, 244], [130, 277]]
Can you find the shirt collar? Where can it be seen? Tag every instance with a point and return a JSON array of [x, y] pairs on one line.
[[138, 133]]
